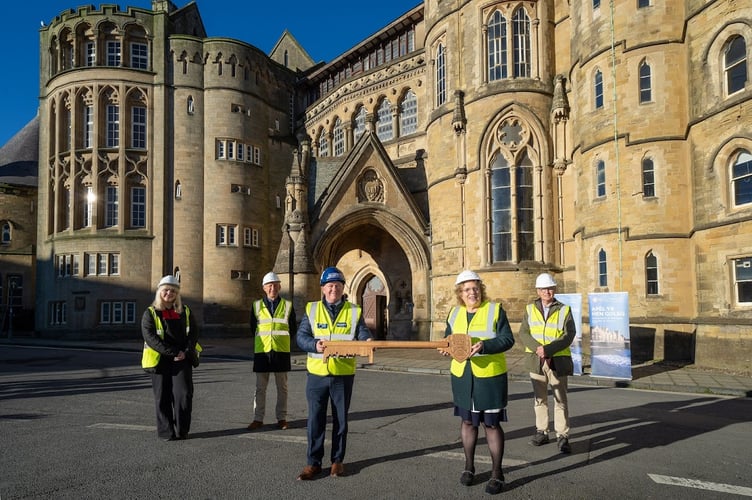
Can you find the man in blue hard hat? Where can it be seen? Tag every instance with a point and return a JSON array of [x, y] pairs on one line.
[[329, 380]]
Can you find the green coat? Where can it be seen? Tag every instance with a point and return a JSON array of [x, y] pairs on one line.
[[486, 393]]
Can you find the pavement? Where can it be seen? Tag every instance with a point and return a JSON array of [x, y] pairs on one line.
[[655, 376]]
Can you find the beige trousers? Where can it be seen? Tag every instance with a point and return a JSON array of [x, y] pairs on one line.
[[540, 391], [259, 398]]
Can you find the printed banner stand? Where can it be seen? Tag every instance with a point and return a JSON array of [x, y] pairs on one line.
[[574, 301], [610, 351]]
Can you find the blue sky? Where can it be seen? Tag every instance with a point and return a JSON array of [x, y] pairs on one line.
[[257, 23]]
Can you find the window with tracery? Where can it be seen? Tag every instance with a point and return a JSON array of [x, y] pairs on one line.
[[511, 188]]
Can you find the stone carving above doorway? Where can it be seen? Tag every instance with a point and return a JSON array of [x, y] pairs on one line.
[[370, 187]]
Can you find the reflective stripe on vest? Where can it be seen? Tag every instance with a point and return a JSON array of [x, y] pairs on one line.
[[545, 331], [150, 357], [272, 332], [482, 326], [343, 328]]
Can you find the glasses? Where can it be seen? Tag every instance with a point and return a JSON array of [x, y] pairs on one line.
[[471, 290], [169, 290]]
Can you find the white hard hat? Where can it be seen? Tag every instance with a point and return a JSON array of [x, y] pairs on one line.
[[467, 276], [169, 280], [270, 277], [544, 280]]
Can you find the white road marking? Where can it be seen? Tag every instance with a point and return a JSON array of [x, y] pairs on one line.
[[275, 437], [303, 440], [127, 427], [701, 485], [453, 455]]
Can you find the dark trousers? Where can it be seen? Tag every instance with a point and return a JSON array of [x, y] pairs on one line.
[[320, 391], [173, 396]]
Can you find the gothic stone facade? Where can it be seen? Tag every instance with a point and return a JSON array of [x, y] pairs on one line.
[[610, 148]]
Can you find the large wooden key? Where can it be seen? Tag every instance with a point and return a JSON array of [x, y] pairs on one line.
[[456, 345]]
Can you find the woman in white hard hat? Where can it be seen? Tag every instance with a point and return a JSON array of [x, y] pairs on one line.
[[170, 351], [479, 384]]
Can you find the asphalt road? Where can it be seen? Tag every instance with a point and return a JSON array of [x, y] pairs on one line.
[[80, 424]]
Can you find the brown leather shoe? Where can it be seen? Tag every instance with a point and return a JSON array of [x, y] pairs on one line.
[[282, 424], [338, 469], [309, 472], [256, 424]]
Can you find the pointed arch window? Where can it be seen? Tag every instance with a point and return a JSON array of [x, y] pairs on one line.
[[651, 274], [735, 64], [741, 178], [600, 179], [497, 47], [360, 123], [648, 178], [441, 86], [512, 235], [323, 145], [6, 236], [409, 114], [602, 268], [339, 138], [598, 89], [384, 128], [646, 93], [521, 40]]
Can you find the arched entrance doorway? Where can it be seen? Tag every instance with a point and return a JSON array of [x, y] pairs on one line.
[[373, 299]]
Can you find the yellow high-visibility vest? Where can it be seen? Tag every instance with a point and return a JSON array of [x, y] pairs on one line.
[[545, 331], [272, 332], [150, 357], [481, 327], [343, 328]]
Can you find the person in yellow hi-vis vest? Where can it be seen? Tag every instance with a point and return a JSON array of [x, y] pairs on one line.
[[329, 380], [170, 350], [479, 384], [547, 330], [273, 324]]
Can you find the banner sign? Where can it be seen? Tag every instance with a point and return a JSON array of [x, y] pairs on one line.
[[574, 301], [610, 352]]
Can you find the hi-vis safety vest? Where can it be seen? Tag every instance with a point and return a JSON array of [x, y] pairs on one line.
[[150, 357], [545, 331], [272, 332], [343, 328], [481, 327]]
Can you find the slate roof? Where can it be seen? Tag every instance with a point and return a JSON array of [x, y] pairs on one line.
[[19, 157]]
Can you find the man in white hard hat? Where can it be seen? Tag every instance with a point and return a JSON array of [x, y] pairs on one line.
[[273, 323], [547, 330]]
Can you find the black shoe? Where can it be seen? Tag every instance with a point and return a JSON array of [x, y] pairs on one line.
[[563, 443], [539, 439], [495, 486], [467, 477], [168, 438]]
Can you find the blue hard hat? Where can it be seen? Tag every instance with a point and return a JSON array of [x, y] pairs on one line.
[[332, 274]]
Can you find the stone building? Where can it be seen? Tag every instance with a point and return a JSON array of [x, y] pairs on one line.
[[18, 214], [611, 148]]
